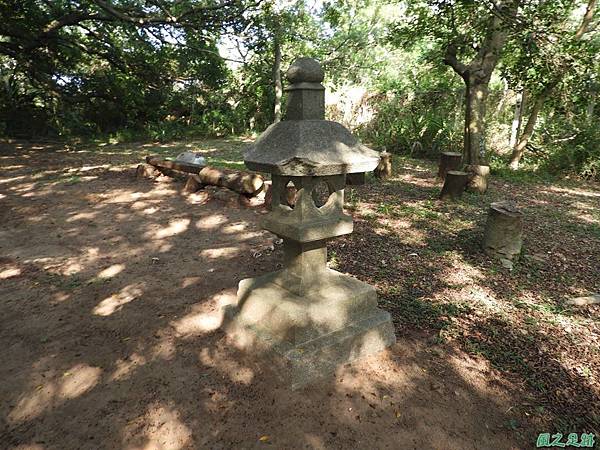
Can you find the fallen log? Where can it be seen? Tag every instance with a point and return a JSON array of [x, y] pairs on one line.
[[593, 299], [146, 171], [193, 184], [454, 185], [287, 199], [241, 182], [448, 161]]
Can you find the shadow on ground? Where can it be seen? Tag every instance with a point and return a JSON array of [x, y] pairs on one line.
[[424, 256], [111, 302]]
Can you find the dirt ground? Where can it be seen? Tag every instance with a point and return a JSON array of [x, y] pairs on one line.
[[111, 292]]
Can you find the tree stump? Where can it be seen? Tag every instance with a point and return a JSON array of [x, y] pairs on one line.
[[478, 178], [454, 185], [503, 236], [448, 161], [146, 171], [384, 168]]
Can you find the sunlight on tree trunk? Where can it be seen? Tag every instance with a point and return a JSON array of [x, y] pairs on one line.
[[516, 123], [474, 150], [277, 80], [519, 149]]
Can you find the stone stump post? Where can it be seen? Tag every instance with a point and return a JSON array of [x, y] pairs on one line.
[[503, 236], [384, 168], [454, 185], [448, 161]]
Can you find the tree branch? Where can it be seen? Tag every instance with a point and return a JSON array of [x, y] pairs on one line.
[[451, 60], [587, 19]]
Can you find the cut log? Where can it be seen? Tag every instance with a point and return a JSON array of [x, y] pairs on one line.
[[384, 168], [160, 163], [193, 184], [454, 185], [241, 182], [176, 174], [478, 178], [503, 236], [146, 171], [449, 161]]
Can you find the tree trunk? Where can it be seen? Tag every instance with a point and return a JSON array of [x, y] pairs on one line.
[[476, 75], [455, 185], [516, 124], [478, 177], [587, 19], [519, 149], [448, 161], [474, 138], [277, 80], [242, 182]]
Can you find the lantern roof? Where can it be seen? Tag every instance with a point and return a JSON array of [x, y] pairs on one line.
[[304, 144]]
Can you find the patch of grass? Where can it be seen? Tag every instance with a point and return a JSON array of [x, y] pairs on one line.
[[226, 164], [71, 180], [332, 259], [385, 209], [418, 211]]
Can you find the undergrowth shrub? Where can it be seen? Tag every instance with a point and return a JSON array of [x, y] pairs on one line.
[[579, 155]]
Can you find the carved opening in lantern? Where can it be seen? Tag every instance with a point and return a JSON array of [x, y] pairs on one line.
[[321, 193], [287, 195]]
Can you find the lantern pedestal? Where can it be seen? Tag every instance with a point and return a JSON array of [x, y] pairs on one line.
[[335, 320]]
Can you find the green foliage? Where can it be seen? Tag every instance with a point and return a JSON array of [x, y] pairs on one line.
[[579, 154], [98, 67], [419, 124]]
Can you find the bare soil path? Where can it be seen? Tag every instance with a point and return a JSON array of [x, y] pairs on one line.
[[111, 291]]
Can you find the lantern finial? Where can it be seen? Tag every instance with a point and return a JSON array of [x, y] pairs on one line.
[[305, 70], [306, 94]]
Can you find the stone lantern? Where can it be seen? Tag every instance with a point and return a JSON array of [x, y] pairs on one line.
[[311, 316]]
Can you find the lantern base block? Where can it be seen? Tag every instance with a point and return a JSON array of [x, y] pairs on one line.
[[309, 336]]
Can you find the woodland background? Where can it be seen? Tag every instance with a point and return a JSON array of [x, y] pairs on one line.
[[401, 74]]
